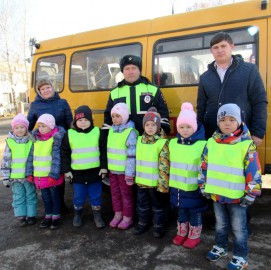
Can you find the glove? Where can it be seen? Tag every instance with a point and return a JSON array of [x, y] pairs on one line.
[[51, 180], [6, 183], [30, 178], [102, 173], [69, 177], [129, 180], [247, 200]]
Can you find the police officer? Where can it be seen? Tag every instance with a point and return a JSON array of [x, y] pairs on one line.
[[138, 93]]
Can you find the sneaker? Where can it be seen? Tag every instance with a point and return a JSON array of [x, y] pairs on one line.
[[31, 220], [22, 222], [216, 253], [55, 224], [46, 223], [237, 263]]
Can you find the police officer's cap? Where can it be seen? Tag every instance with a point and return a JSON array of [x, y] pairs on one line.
[[130, 60]]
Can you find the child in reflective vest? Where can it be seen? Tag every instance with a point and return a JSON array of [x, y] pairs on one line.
[[152, 172], [43, 168], [121, 153], [18, 145], [231, 177], [185, 153], [84, 161]]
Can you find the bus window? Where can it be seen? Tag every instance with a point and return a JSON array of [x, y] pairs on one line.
[[51, 68], [182, 61], [99, 69]]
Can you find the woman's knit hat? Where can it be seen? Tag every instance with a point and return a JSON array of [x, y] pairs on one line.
[[130, 60], [187, 116], [83, 112], [121, 109], [20, 119], [154, 116], [229, 109], [48, 120]]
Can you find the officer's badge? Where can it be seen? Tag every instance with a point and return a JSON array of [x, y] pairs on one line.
[[147, 99]]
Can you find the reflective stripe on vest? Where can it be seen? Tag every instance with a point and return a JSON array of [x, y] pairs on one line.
[[85, 149], [42, 157], [19, 154], [116, 149], [147, 158], [185, 163], [124, 91], [225, 172]]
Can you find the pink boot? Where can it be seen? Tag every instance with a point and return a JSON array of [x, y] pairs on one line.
[[193, 238], [126, 223], [182, 232], [116, 220]]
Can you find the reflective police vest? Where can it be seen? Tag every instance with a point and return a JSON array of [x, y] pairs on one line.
[[85, 149], [124, 92], [19, 154], [116, 149], [225, 171], [185, 163], [147, 158], [42, 157]]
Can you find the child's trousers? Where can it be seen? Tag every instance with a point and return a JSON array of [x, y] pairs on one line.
[[25, 199]]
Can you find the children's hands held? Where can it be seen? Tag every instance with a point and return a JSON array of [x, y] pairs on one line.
[[247, 201], [51, 180], [103, 173], [129, 180], [6, 183], [69, 176], [30, 178]]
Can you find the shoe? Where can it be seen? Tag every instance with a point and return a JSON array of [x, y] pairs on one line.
[[216, 253], [116, 220], [182, 233], [77, 220], [31, 220], [55, 224], [140, 229], [22, 222], [193, 238], [158, 232], [126, 223], [46, 223], [237, 263], [98, 219], [178, 240]]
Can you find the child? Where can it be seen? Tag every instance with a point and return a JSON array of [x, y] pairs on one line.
[[121, 151], [231, 175], [17, 149], [152, 172], [185, 153], [43, 167], [84, 154]]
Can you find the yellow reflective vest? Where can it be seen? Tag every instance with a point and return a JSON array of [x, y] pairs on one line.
[[85, 149], [225, 171], [19, 154], [116, 149], [185, 163], [42, 157], [147, 158]]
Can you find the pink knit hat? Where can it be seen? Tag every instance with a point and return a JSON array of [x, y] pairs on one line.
[[187, 116], [20, 119], [121, 109], [48, 120]]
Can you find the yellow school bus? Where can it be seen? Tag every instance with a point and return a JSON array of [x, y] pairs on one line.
[[174, 49]]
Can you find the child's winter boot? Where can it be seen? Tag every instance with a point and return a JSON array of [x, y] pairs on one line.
[[116, 220], [193, 238], [97, 217], [158, 231], [182, 232], [126, 223], [77, 220]]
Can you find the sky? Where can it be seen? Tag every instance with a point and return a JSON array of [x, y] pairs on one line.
[[54, 18]]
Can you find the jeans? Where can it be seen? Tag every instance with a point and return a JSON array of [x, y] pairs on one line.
[[122, 195], [194, 218], [150, 202], [25, 200], [51, 200], [82, 191], [234, 217]]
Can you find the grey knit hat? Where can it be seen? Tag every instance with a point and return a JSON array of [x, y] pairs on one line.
[[229, 109]]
